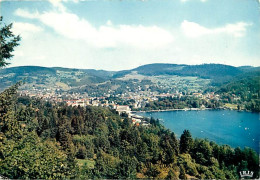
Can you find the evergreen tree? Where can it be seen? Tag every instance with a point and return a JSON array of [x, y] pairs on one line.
[[128, 167], [185, 142], [171, 175], [182, 173], [105, 147], [9, 127], [23, 154], [8, 42]]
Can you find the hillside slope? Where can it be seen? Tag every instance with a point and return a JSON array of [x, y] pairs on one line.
[[50, 77], [219, 73], [59, 77]]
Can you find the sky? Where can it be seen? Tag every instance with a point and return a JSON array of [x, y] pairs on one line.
[[124, 34]]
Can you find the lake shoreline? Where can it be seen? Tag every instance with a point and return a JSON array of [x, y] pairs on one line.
[[185, 109], [191, 109]]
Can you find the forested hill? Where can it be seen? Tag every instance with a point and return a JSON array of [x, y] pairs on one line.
[[68, 77], [41, 140], [246, 87], [204, 70], [218, 73], [51, 77], [52, 70]]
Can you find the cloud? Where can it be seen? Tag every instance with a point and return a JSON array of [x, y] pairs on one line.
[[65, 39], [108, 35], [58, 4], [26, 30], [192, 29], [21, 28], [26, 14]]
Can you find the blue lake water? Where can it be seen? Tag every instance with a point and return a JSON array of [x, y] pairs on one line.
[[222, 126]]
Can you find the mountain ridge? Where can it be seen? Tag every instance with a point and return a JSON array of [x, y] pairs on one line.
[[245, 67], [50, 76], [219, 73]]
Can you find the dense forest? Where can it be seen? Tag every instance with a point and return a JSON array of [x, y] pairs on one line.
[[246, 88], [242, 92], [181, 103], [42, 140], [218, 73]]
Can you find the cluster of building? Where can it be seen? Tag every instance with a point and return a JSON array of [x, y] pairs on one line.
[[77, 99], [136, 119], [45, 94], [133, 99], [99, 101]]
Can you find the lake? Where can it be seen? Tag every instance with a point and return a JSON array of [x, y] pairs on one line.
[[222, 126]]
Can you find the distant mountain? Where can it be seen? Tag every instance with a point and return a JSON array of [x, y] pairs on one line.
[[93, 72], [217, 72], [50, 77], [32, 70], [69, 77], [152, 69], [248, 68]]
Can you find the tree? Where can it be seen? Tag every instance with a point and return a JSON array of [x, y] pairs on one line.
[[185, 142], [152, 171], [171, 175], [182, 173], [23, 154], [168, 146], [8, 42], [9, 126], [128, 167], [29, 158]]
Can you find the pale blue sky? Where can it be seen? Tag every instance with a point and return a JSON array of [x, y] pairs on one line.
[[116, 35]]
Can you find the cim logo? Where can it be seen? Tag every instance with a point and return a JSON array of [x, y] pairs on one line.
[[246, 174]]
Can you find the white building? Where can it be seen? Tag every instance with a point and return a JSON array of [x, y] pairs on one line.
[[120, 109]]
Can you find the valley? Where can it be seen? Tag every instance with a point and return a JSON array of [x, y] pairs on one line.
[[148, 87]]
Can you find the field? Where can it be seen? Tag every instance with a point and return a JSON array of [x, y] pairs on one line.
[[86, 162]]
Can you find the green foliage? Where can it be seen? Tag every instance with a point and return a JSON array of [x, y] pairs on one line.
[[182, 173], [218, 72], [43, 140], [31, 158], [8, 42], [188, 163], [106, 166], [171, 175], [9, 127], [152, 171], [128, 167], [22, 153], [246, 88], [186, 142], [181, 103]]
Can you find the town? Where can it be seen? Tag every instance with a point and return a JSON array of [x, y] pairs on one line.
[[126, 103]]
